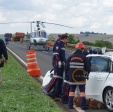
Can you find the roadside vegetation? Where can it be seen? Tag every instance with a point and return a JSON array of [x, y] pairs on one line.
[[99, 43], [20, 93], [72, 41]]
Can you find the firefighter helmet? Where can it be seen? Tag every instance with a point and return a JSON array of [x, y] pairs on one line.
[[80, 45]]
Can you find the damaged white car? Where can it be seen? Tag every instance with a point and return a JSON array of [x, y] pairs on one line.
[[100, 83]]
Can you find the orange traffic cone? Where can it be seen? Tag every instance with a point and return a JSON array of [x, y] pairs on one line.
[[32, 65]]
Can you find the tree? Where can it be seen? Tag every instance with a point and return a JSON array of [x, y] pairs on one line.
[[72, 39], [101, 43]]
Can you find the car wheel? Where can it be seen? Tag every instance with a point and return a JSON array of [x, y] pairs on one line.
[[108, 99]]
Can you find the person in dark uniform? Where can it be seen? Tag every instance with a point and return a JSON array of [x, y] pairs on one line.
[[3, 51], [59, 37], [65, 86], [77, 69], [58, 63]]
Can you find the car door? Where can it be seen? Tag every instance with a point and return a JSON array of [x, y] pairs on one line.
[[97, 76]]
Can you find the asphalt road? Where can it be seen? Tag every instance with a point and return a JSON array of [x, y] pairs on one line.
[[44, 59]]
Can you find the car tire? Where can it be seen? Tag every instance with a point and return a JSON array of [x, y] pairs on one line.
[[108, 99]]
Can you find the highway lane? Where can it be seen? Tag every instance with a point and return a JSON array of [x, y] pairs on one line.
[[44, 59]]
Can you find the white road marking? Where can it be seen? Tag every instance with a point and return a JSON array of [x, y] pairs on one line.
[[17, 57], [44, 51], [78, 109]]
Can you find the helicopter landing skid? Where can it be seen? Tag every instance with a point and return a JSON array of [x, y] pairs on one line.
[[46, 48]]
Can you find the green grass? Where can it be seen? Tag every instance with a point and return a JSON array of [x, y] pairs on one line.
[[20, 93]]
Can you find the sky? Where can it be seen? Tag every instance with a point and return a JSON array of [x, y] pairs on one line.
[[82, 15]]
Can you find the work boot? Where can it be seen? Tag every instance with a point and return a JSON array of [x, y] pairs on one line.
[[85, 108], [56, 99]]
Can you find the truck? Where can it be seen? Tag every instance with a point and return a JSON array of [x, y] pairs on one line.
[[8, 37], [18, 36]]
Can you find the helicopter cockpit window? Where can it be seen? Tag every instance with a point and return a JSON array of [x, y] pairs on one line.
[[35, 35], [43, 33]]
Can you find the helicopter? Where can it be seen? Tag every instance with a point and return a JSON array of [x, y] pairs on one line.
[[39, 37]]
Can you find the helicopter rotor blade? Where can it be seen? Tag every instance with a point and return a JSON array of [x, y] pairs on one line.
[[41, 23], [14, 22], [57, 24]]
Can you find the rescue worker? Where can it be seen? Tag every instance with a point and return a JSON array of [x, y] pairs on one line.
[[77, 69], [3, 51], [85, 52], [58, 66], [65, 86], [59, 37]]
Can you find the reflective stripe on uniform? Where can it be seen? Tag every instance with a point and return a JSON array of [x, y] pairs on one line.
[[63, 48], [71, 93], [78, 83], [82, 94], [66, 81], [55, 53], [76, 66], [57, 76], [76, 63]]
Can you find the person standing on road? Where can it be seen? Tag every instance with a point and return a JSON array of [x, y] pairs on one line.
[[58, 63], [59, 37], [65, 86], [77, 69], [3, 51]]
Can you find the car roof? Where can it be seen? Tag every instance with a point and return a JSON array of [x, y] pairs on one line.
[[105, 55]]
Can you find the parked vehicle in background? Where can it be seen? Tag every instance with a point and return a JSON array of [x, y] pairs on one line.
[[18, 36], [8, 37]]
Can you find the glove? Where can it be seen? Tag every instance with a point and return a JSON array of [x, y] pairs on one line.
[[86, 76], [59, 64]]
